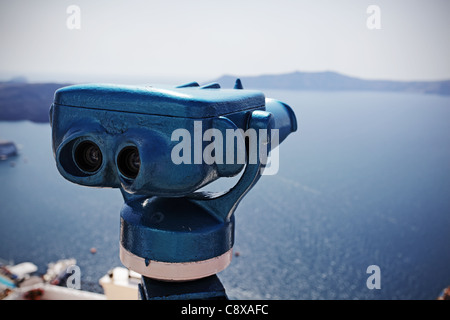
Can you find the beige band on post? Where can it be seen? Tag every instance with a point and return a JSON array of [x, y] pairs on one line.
[[179, 271]]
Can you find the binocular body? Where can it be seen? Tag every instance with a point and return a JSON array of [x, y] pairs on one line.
[[159, 145]]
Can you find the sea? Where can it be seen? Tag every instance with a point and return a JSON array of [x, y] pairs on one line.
[[364, 181]]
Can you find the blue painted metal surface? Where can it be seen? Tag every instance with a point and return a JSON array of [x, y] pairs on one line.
[[122, 137]]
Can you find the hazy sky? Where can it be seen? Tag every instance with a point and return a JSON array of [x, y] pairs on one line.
[[201, 40]]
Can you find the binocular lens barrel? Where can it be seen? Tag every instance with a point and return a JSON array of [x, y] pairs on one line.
[[88, 156], [129, 162]]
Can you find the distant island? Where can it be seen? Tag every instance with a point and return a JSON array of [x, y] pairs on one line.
[[333, 81], [26, 101], [20, 100]]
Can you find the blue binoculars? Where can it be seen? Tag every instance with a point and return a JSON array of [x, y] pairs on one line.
[[160, 145]]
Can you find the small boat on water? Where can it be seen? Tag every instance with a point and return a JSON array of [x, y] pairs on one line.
[[8, 149]]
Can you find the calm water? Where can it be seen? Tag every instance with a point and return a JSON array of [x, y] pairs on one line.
[[365, 180]]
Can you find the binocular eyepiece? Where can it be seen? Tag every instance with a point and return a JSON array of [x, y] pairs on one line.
[[159, 145], [88, 156], [128, 162]]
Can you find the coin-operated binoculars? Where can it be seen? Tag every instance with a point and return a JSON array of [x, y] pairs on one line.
[[160, 145]]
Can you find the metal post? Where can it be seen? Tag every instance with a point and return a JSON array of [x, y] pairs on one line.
[[209, 288]]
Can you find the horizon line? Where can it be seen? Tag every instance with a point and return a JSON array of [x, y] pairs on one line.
[[22, 78]]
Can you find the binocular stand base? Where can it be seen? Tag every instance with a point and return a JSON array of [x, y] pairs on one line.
[[181, 271]]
